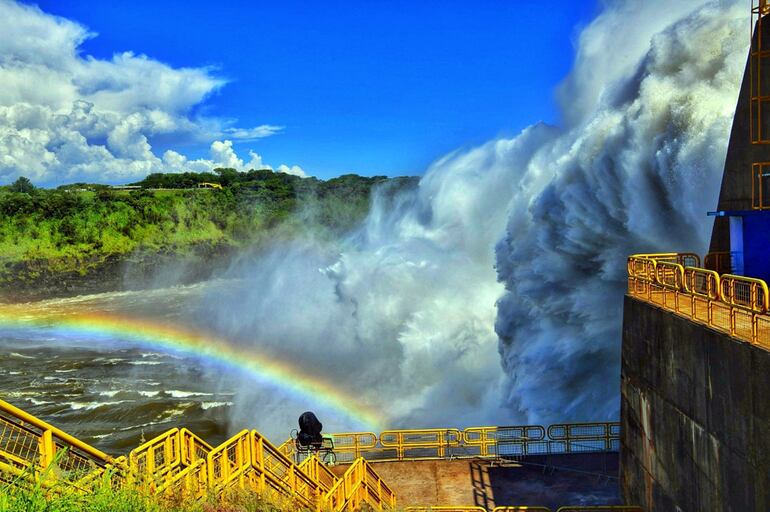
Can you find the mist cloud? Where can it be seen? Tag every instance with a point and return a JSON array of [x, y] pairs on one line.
[[529, 234], [636, 170]]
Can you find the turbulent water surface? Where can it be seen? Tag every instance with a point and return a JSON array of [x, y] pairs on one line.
[[113, 392]]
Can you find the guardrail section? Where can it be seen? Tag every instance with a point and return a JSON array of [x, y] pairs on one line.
[[473, 442], [735, 305], [29, 445], [358, 486]]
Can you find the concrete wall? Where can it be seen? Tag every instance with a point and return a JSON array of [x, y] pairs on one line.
[[696, 416], [548, 481]]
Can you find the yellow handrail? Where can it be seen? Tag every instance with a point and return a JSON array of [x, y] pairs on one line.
[[180, 464], [360, 484], [488, 438], [318, 471], [49, 432], [229, 462], [28, 444], [193, 447], [744, 292], [734, 304]]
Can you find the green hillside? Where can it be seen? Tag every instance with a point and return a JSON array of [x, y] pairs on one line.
[[78, 230]]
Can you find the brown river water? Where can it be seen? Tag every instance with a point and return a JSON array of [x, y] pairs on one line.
[[114, 393]]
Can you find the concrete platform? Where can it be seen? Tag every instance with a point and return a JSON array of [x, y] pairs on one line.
[[550, 481]]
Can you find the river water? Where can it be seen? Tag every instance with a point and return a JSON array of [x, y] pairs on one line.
[[114, 393]]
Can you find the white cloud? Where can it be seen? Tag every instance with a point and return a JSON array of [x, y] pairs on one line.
[[265, 130], [294, 170], [66, 116]]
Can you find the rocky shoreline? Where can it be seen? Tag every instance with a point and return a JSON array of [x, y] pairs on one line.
[[38, 280]]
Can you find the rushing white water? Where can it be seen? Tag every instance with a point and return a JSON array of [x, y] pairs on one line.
[[404, 310]]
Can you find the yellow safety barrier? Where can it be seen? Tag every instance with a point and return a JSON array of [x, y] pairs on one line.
[[280, 473], [352, 445], [157, 457], [421, 443], [190, 483], [181, 465], [473, 442], [229, 462], [585, 437], [686, 259], [318, 471], [28, 444], [736, 305], [744, 292], [358, 486], [505, 441], [193, 447]]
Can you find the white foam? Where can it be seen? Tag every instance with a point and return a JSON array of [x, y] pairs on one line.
[[186, 394], [211, 405], [88, 406]]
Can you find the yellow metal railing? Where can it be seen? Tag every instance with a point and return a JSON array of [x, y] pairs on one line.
[[473, 442], [736, 305], [319, 472], [157, 457], [193, 447], [29, 445], [181, 465], [360, 485]]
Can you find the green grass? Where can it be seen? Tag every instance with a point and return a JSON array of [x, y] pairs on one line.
[[76, 228], [105, 498]]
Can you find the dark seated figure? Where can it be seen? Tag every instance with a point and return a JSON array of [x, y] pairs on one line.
[[309, 431]]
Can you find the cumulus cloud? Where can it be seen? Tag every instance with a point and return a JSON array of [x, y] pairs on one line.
[[528, 234], [66, 116], [294, 170]]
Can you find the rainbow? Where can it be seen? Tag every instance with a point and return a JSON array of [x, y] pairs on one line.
[[203, 346]]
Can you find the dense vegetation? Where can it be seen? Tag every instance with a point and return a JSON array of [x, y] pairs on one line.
[[76, 227], [106, 498]]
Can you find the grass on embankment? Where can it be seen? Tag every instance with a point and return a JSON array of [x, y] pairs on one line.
[[107, 499]]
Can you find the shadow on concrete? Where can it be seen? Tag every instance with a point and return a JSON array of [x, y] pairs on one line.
[[550, 481]]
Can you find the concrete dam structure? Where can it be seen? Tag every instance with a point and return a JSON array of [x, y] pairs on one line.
[[696, 338]]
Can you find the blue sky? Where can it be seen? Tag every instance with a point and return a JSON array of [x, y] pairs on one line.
[[366, 87]]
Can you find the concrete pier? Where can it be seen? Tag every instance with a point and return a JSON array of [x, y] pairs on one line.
[[695, 413]]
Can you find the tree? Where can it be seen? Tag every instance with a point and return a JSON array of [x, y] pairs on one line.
[[227, 175], [22, 184]]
